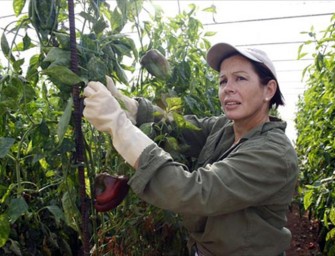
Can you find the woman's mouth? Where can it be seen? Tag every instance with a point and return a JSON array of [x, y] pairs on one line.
[[232, 103]]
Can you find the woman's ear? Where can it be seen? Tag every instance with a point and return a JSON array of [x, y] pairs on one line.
[[270, 89]]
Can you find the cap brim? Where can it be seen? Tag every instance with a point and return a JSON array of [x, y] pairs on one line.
[[218, 52]]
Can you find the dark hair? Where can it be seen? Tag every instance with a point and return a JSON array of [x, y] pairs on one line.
[[265, 75]]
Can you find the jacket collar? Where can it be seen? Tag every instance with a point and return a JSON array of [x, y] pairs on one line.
[[275, 123]]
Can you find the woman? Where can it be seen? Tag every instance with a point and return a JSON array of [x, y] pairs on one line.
[[235, 200]]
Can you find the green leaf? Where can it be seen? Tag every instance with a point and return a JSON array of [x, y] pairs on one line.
[[116, 21], [330, 234], [211, 9], [63, 39], [209, 33], [15, 247], [99, 26], [4, 229], [28, 93], [5, 48], [87, 16], [16, 208], [17, 7], [122, 49], [172, 144], [63, 74], [65, 120], [17, 64], [308, 199], [181, 122], [26, 44], [58, 57], [32, 72], [56, 212], [41, 134], [121, 74], [97, 70], [71, 212], [147, 128], [332, 215], [325, 219], [174, 103], [5, 145]]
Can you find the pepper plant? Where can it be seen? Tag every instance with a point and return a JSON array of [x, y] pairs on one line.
[[39, 187], [315, 143]]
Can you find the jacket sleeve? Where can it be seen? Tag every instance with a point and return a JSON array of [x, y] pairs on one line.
[[191, 141], [254, 174]]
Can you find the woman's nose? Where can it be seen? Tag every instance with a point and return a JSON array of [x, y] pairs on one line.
[[229, 87]]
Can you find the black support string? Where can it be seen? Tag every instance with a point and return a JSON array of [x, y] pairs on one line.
[[79, 138]]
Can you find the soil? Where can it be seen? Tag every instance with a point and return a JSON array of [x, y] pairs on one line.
[[304, 234]]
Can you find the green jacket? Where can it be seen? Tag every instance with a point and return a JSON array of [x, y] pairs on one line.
[[235, 201]]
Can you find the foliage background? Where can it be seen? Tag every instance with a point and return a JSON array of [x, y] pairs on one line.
[[316, 141], [39, 188], [39, 198]]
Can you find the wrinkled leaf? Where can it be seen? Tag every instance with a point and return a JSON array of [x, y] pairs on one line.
[[17, 64], [211, 9], [210, 33], [97, 70], [174, 103], [63, 39], [99, 26], [332, 215], [87, 16], [28, 93], [17, 7], [181, 122], [5, 145], [16, 208], [58, 57], [88, 44], [330, 235], [172, 144], [147, 128], [15, 247], [4, 229], [71, 212], [41, 134], [121, 74], [56, 212], [63, 74], [117, 20], [26, 44], [32, 72], [65, 120], [308, 199], [5, 48]]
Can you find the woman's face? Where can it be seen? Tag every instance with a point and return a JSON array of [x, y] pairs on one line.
[[243, 98]]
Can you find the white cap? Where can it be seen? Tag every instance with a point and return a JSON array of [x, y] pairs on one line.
[[218, 52]]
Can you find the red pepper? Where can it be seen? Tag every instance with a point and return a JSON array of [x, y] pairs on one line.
[[109, 191]]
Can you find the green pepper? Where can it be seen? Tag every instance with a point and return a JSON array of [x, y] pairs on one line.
[[156, 64], [43, 16]]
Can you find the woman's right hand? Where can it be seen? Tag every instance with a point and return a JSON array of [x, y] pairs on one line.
[[129, 105]]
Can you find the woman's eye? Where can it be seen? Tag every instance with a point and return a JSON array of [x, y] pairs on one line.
[[240, 78], [223, 82]]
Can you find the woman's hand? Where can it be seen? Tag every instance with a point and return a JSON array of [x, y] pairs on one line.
[[130, 106], [104, 112]]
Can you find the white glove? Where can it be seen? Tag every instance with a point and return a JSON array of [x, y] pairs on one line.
[[104, 112], [131, 105]]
